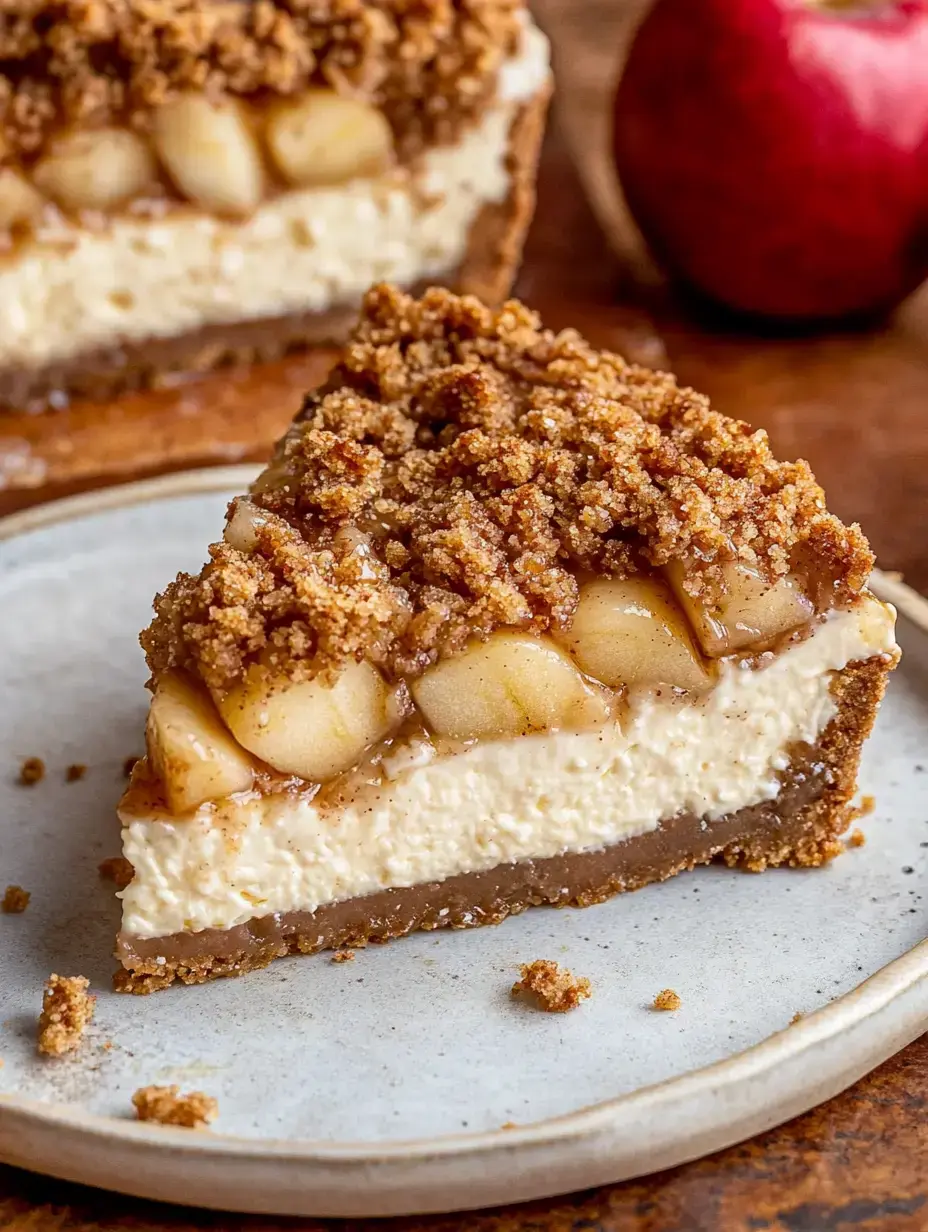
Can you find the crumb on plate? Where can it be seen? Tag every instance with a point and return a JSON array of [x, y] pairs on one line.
[[15, 900], [857, 838], [867, 805], [343, 956], [554, 988], [32, 771], [667, 999], [67, 1008], [75, 772], [116, 869], [193, 1110], [797, 1017]]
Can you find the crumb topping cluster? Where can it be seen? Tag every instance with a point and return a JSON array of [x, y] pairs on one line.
[[67, 1010], [167, 1106], [554, 989], [430, 64], [456, 473]]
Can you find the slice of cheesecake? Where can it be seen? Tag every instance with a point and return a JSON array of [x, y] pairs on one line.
[[185, 183], [506, 621]]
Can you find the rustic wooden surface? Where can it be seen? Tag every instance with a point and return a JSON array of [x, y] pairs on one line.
[[855, 404]]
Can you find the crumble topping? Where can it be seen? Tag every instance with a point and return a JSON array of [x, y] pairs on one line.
[[116, 869], [193, 1110], [667, 1000], [455, 473], [343, 956], [15, 900], [857, 838], [67, 1008], [32, 771], [431, 66], [75, 772], [554, 989]]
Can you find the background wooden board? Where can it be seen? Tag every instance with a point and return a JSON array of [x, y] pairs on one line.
[[855, 404]]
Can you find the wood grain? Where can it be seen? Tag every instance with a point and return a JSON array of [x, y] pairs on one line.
[[855, 404]]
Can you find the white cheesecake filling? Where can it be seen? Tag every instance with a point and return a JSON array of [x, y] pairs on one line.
[[305, 250], [499, 801]]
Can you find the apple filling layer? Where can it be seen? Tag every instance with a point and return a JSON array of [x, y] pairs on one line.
[[548, 765]]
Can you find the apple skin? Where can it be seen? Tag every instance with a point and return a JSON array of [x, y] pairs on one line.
[[774, 153]]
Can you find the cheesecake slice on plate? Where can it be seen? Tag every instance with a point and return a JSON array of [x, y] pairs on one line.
[[506, 621], [186, 182]]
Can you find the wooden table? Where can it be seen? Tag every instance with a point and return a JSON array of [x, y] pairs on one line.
[[857, 406]]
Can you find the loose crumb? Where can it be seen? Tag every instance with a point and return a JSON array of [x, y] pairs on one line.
[[128, 766], [857, 838], [797, 1017], [509, 1125], [867, 805], [554, 988], [167, 1106], [15, 900], [67, 1008], [75, 772], [667, 999], [32, 771], [343, 956], [116, 869]]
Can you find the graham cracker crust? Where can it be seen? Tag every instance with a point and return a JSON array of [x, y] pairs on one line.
[[488, 270], [800, 828]]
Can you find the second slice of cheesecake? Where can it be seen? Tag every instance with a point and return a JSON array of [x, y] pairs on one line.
[[506, 621]]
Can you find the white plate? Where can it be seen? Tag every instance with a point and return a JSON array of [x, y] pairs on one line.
[[381, 1086]]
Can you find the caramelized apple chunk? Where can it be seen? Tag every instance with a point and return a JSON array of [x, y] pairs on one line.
[[312, 728], [631, 632], [509, 685], [210, 153], [190, 751], [752, 614], [95, 170], [243, 524], [325, 138]]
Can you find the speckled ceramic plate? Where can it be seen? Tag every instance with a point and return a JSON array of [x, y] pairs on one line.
[[408, 1080]]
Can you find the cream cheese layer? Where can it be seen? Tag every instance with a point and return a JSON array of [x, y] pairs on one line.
[[501, 801]]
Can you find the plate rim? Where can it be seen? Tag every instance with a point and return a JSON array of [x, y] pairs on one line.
[[416, 1176]]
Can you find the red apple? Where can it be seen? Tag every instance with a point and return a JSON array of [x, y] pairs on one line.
[[775, 152]]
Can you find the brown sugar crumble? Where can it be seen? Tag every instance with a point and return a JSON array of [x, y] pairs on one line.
[[430, 67], [75, 772], [456, 472], [867, 805], [667, 1000], [554, 989], [116, 869], [343, 956], [167, 1106], [857, 838], [32, 771], [15, 900], [67, 1009]]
